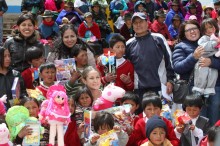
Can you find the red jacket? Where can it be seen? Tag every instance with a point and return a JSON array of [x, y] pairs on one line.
[[125, 68], [28, 76], [94, 29], [43, 89], [71, 137], [140, 132], [160, 28]]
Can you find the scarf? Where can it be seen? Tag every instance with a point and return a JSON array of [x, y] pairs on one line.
[[51, 23]]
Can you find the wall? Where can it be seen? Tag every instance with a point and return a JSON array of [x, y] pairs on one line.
[[14, 6]]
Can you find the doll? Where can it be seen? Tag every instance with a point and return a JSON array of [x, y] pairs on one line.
[[2, 107], [4, 135], [56, 111]]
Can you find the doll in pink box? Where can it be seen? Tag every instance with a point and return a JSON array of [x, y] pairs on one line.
[[55, 110]]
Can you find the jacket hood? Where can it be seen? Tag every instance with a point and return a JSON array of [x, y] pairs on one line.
[[137, 4], [19, 37]]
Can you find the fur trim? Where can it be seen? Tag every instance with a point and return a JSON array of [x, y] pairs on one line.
[[19, 37]]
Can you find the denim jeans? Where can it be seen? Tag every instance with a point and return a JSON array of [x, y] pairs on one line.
[[1, 30], [212, 110]]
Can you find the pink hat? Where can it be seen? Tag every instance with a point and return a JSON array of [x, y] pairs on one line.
[[192, 17]]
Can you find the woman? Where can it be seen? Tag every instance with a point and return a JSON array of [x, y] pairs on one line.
[[66, 42], [22, 38], [7, 77], [186, 54]]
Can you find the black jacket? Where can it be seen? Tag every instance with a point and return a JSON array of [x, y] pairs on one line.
[[17, 46], [6, 82]]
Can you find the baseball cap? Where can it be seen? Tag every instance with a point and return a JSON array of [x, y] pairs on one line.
[[140, 15]]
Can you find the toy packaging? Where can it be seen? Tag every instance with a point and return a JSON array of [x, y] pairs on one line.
[[88, 123], [109, 138], [181, 117], [108, 61]]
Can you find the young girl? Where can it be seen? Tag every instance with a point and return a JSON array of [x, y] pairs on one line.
[[200, 125], [104, 122], [205, 77], [156, 131], [7, 76], [79, 52], [91, 78], [83, 100], [47, 74]]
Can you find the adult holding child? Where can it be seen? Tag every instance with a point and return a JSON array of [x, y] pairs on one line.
[[186, 54], [22, 38]]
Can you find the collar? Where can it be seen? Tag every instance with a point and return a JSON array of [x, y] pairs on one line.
[[194, 120], [142, 37], [119, 62]]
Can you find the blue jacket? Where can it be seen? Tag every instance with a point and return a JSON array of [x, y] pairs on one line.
[[184, 62], [173, 32], [170, 16], [63, 13], [49, 31], [117, 5]]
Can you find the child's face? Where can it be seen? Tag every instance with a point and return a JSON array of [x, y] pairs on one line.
[[103, 129], [96, 9], [209, 29], [37, 62], [7, 59], [48, 76], [85, 100], [88, 19], [140, 8], [161, 19], [93, 80], [157, 136], [208, 11], [32, 108], [151, 110], [81, 59], [48, 19], [134, 106], [176, 23], [119, 49], [193, 111], [192, 11], [71, 105]]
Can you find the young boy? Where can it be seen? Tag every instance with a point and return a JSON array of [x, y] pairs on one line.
[[152, 105], [212, 138], [200, 125], [156, 131], [48, 75], [124, 69], [34, 56]]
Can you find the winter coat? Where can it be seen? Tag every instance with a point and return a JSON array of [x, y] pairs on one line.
[[51, 5]]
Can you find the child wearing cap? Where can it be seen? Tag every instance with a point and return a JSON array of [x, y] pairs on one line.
[[48, 28], [127, 30], [156, 131]]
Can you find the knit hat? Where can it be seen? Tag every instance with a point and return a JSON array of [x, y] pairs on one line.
[[87, 14], [140, 15], [154, 122]]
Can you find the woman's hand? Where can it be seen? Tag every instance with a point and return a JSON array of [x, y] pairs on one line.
[[198, 52], [204, 62], [26, 130]]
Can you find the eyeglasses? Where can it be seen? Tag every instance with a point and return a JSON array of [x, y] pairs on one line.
[[190, 29]]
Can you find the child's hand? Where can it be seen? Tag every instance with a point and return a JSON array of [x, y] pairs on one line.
[[129, 130], [125, 78], [26, 130], [94, 138], [180, 128], [74, 76], [117, 128], [110, 77], [192, 127], [80, 129]]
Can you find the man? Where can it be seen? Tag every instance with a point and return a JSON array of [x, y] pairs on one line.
[[3, 9], [150, 58]]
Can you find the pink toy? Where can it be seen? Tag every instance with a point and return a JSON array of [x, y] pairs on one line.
[[109, 95], [214, 38], [55, 110], [2, 107], [4, 135]]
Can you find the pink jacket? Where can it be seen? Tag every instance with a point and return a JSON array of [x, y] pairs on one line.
[[50, 5]]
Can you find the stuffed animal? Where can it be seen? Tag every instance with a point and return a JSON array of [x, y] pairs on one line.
[[2, 106], [4, 136], [109, 95], [15, 119], [56, 111]]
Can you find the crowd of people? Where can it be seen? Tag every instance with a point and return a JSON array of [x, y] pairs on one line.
[[154, 42]]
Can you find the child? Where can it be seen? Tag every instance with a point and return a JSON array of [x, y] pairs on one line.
[[124, 68], [212, 137], [199, 127], [205, 77], [73, 132], [79, 52], [127, 30], [208, 11], [7, 76], [47, 74], [104, 122], [91, 78], [34, 56], [152, 105], [83, 100], [48, 28], [156, 131]]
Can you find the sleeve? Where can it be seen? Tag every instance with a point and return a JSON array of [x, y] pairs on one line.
[[5, 6], [22, 87], [171, 134], [82, 30], [71, 135], [154, 27], [18, 140], [91, 58], [130, 86], [123, 138], [96, 31], [199, 9], [197, 132], [178, 135], [125, 5], [172, 32], [76, 4], [101, 70], [168, 19], [181, 62]]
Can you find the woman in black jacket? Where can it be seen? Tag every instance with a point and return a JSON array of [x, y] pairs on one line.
[[7, 76], [22, 38]]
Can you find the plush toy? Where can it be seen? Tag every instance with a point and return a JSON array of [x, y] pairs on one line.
[[4, 136], [2, 106], [15, 119], [56, 111], [109, 95]]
